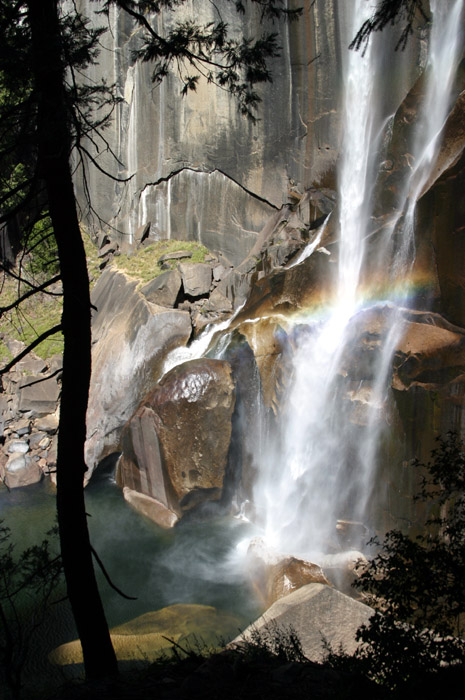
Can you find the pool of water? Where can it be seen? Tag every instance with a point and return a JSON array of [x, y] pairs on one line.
[[195, 562]]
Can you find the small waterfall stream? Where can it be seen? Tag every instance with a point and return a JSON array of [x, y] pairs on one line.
[[322, 467]]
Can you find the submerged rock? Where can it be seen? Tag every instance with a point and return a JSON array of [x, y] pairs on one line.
[[148, 637], [151, 508]]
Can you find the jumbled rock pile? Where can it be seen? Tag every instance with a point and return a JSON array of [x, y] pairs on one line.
[[29, 420]]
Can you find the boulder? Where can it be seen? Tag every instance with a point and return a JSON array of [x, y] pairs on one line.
[[175, 255], [20, 471], [196, 278], [23, 427], [36, 439], [130, 339], [317, 614], [178, 439], [141, 468], [218, 303], [218, 272], [151, 508], [31, 364], [39, 394], [430, 352], [275, 575], [193, 405], [148, 636], [47, 424], [291, 289], [107, 250], [164, 289], [267, 340], [142, 233], [17, 447]]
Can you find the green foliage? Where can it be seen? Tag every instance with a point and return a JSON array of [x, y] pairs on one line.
[[416, 585], [144, 265], [194, 50], [403, 12], [28, 320], [39, 257], [420, 580], [29, 585], [283, 644]]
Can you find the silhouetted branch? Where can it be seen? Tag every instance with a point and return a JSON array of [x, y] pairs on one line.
[[43, 336], [107, 576], [30, 293]]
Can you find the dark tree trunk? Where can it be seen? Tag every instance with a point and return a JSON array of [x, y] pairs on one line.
[[54, 151]]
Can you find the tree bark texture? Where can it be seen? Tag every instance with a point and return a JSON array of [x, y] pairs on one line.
[[54, 141]]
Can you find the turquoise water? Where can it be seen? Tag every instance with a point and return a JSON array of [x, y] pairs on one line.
[[193, 563]]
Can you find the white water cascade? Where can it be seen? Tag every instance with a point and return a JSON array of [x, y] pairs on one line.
[[321, 468]]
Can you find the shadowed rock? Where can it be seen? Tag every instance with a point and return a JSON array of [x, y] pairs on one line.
[[164, 289], [177, 442]]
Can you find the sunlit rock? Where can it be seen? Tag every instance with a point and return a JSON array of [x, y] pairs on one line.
[[431, 352], [39, 394], [151, 508], [130, 338], [20, 471], [148, 637], [266, 338], [275, 575], [196, 278], [307, 285], [319, 615], [164, 289]]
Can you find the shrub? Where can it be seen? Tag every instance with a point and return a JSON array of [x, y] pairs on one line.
[[28, 587], [416, 585]]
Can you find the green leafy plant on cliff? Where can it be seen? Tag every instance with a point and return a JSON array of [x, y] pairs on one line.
[[416, 584]]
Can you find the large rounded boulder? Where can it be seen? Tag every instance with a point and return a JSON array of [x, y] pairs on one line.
[[175, 446]]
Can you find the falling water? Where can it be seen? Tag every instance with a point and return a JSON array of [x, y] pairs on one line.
[[322, 466], [444, 53]]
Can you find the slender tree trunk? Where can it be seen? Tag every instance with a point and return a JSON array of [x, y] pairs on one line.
[[54, 151]]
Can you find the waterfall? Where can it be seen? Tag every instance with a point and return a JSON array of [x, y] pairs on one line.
[[320, 467]]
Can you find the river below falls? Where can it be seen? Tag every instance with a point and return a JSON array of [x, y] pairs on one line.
[[195, 562]]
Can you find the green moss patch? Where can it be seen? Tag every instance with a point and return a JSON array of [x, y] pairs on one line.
[[144, 264]]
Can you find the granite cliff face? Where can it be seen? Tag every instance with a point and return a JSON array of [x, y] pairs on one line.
[[199, 170], [255, 195]]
